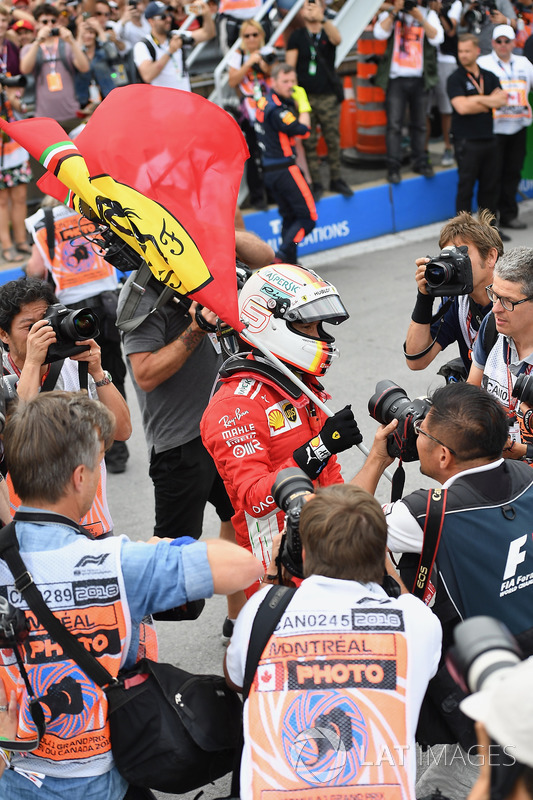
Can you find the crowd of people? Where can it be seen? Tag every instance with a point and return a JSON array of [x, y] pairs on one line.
[[354, 673]]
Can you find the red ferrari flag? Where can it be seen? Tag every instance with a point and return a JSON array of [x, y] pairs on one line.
[[162, 169]]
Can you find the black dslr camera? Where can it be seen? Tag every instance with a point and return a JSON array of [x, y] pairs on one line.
[[450, 273], [70, 327], [289, 492], [14, 626], [483, 646], [18, 81], [391, 402], [523, 390]]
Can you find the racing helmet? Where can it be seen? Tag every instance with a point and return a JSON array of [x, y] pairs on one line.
[[277, 297]]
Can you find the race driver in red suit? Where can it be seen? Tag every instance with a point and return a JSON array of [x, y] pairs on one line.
[[259, 422]]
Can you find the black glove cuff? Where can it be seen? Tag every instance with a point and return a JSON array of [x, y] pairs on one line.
[[423, 310], [308, 461]]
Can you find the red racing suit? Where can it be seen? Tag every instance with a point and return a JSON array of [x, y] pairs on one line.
[[251, 429]]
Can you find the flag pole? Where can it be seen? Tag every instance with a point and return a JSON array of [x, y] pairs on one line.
[[301, 385]]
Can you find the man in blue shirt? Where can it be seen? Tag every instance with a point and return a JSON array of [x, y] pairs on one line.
[[427, 335], [101, 590]]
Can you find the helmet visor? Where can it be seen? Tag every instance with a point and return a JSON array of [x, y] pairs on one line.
[[323, 309]]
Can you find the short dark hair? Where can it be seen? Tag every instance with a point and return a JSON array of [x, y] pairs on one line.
[[282, 69], [469, 420], [45, 8], [59, 430], [15, 294], [344, 534]]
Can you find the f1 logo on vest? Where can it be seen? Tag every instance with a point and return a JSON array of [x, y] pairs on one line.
[[515, 556]]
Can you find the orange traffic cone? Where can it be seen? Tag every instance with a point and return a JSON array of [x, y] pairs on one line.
[[348, 120], [321, 146]]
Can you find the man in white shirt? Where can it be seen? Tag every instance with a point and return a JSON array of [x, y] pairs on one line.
[[161, 60], [511, 121], [406, 73], [338, 688]]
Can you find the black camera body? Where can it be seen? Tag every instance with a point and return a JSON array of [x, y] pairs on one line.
[[523, 390], [14, 626], [450, 273], [54, 32], [410, 4], [390, 402], [186, 39], [289, 491], [17, 81], [70, 327]]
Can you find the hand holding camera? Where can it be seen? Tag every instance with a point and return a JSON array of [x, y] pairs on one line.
[[339, 433]]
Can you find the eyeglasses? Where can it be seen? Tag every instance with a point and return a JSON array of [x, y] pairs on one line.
[[502, 41], [418, 430], [250, 36], [507, 304]]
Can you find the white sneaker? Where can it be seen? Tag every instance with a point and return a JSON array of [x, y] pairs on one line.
[[447, 159]]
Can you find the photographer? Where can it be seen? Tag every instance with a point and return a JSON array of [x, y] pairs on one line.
[[160, 58], [53, 59], [457, 320], [498, 362], [406, 74], [346, 668], [481, 16], [23, 304], [449, 12], [485, 555], [66, 434]]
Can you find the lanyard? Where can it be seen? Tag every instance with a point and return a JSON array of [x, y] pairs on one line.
[[480, 87], [51, 56]]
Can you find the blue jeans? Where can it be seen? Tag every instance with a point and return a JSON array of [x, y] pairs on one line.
[[403, 93]]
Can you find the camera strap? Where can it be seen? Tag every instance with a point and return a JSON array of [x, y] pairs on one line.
[[435, 318], [23, 580], [435, 514], [266, 619], [133, 291]]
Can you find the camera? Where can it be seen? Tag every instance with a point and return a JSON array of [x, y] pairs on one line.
[[18, 81], [289, 492], [410, 4], [186, 38], [450, 273], [475, 16], [523, 390], [14, 626], [268, 55], [482, 647], [70, 327], [390, 402], [54, 32]]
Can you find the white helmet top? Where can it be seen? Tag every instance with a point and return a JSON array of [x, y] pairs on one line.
[[276, 300]]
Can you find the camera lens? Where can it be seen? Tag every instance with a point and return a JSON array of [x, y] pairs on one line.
[[523, 389], [385, 404], [483, 646], [85, 325], [290, 483], [79, 325], [438, 273]]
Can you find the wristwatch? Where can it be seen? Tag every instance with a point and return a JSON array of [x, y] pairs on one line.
[[107, 379]]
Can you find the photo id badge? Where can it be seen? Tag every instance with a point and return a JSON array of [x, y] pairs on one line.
[[54, 81], [312, 68]]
